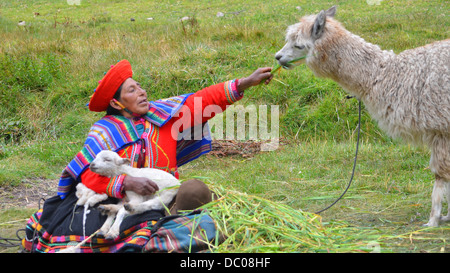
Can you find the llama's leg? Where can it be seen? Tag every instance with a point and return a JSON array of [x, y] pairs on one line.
[[110, 208], [439, 165], [111, 211], [114, 230], [150, 204], [107, 225], [436, 202], [447, 190]]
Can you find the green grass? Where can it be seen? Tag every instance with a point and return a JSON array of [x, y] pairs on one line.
[[36, 159], [50, 67], [389, 199], [309, 175]]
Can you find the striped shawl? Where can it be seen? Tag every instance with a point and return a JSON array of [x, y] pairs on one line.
[[116, 132]]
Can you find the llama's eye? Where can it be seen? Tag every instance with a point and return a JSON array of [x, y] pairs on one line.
[[299, 47]]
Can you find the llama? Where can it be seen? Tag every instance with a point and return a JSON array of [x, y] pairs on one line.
[[407, 94], [108, 163]]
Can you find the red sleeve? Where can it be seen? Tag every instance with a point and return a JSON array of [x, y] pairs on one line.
[[102, 184], [95, 181], [206, 103]]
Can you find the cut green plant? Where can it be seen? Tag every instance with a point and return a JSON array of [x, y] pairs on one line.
[[278, 66]]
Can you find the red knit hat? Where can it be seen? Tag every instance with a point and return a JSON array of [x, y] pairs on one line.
[[108, 86]]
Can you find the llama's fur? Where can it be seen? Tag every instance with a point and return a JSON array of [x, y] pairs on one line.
[[407, 93], [88, 198], [108, 163]]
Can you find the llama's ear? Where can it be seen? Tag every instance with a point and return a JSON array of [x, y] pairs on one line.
[[331, 11], [319, 25], [124, 161]]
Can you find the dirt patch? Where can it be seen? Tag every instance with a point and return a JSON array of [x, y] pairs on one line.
[[28, 194], [246, 149]]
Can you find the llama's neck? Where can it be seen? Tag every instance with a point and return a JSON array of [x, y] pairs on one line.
[[350, 61], [124, 169]]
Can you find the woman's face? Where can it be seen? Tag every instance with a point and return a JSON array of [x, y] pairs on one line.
[[134, 98]]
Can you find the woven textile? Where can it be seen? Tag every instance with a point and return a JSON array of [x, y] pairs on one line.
[[116, 132]]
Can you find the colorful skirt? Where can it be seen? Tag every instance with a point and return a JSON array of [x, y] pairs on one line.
[[61, 224]]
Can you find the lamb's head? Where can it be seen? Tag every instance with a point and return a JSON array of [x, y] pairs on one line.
[[108, 163], [301, 38]]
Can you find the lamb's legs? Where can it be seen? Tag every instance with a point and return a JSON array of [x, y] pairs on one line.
[[157, 202], [107, 225], [114, 230], [436, 202], [110, 211]]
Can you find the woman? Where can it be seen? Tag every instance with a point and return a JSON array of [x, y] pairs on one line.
[[151, 135]]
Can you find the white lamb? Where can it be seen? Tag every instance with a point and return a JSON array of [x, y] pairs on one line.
[[408, 94], [108, 163]]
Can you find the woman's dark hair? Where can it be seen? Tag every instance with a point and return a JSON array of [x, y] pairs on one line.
[[111, 110]]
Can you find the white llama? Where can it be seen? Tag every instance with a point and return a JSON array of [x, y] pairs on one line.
[[408, 94]]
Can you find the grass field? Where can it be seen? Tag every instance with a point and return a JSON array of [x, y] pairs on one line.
[[50, 66]]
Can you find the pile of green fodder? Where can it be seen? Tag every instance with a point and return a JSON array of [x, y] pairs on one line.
[[248, 223]]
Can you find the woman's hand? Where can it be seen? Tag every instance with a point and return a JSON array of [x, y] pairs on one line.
[[260, 74], [140, 185]]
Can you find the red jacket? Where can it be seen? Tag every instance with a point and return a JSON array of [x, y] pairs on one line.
[[159, 148]]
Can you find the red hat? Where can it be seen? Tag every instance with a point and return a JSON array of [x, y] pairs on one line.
[[108, 86]]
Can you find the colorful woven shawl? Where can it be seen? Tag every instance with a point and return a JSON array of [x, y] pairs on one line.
[[116, 132]]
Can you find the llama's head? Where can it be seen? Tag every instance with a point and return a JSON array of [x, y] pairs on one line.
[[108, 163], [301, 38]]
